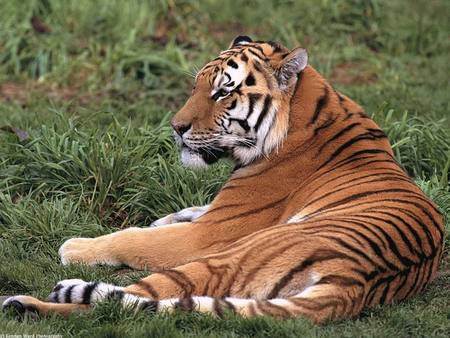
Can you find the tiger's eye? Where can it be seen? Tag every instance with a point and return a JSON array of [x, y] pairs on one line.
[[219, 94]]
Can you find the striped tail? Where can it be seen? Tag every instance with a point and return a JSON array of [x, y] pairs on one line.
[[319, 303]]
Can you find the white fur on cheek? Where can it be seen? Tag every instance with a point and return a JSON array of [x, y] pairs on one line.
[[192, 160]]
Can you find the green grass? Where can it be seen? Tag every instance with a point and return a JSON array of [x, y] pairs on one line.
[[94, 93]]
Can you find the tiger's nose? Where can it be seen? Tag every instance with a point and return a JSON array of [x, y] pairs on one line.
[[180, 128]]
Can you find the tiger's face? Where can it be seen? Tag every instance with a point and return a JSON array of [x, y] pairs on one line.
[[239, 107]]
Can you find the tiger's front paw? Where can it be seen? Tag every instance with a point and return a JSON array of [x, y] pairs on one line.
[[166, 220], [77, 250], [86, 251], [185, 215]]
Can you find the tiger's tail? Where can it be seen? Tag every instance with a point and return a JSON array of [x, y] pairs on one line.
[[318, 303]]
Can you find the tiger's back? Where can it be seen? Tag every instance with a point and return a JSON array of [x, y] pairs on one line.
[[335, 183]]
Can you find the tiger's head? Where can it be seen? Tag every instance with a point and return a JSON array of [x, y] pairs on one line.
[[239, 106]]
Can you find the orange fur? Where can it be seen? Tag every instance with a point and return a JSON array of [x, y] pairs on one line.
[[322, 226]]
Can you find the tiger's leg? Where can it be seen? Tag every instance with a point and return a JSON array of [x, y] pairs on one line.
[[185, 215], [255, 276], [158, 247]]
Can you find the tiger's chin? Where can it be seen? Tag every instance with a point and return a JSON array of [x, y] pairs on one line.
[[200, 159]]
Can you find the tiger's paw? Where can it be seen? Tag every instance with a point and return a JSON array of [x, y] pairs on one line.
[[185, 215], [77, 250], [84, 250], [166, 220], [21, 306]]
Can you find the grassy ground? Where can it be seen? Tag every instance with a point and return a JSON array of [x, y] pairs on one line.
[[86, 90]]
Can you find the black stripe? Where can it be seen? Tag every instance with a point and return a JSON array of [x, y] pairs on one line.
[[266, 106], [385, 177], [385, 292], [250, 80], [417, 281], [257, 47], [368, 229], [232, 64], [266, 307], [185, 304], [356, 197], [273, 204], [262, 58], [258, 66], [422, 198], [400, 232], [376, 249], [372, 244], [316, 257], [232, 105], [324, 125], [348, 173], [237, 89], [270, 255], [348, 116], [55, 294], [364, 152], [401, 283], [428, 277], [375, 287], [368, 276], [150, 306], [217, 307], [361, 137], [366, 165], [115, 295], [339, 134], [57, 287], [87, 292], [410, 228], [252, 99], [363, 115], [68, 294], [355, 250], [243, 123], [181, 280], [393, 245], [424, 228], [276, 46], [147, 287], [258, 51], [321, 102], [350, 159], [340, 280], [229, 305]]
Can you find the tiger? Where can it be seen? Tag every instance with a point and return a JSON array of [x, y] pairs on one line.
[[317, 220]]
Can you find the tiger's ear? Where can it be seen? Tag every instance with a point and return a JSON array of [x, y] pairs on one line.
[[290, 66], [240, 40]]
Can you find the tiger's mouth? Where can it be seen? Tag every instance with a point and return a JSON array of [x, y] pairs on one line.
[[208, 155], [211, 156], [199, 156]]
